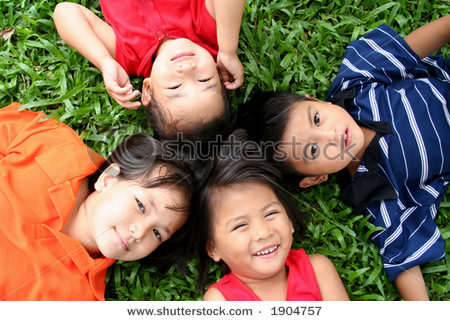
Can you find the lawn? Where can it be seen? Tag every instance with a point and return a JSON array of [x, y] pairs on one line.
[[285, 45]]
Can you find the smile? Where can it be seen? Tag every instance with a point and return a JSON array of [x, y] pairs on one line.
[[182, 55], [122, 242], [269, 250]]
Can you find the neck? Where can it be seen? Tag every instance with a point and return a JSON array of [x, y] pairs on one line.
[[369, 134], [270, 289], [76, 222]]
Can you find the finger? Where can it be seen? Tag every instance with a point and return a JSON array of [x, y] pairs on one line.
[[130, 104], [126, 100], [235, 84]]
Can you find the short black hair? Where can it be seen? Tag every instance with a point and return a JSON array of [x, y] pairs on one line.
[[138, 157], [165, 128], [265, 118], [237, 162]]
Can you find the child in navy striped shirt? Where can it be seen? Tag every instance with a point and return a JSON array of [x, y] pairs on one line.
[[389, 143]]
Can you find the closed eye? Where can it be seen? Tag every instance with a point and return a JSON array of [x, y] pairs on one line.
[[204, 80], [239, 226], [272, 213], [175, 87]]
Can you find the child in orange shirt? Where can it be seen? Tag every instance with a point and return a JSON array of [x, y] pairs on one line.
[[67, 214], [245, 222]]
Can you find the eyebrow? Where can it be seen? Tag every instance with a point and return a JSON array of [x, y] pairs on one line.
[[310, 115], [212, 86], [306, 160], [270, 204]]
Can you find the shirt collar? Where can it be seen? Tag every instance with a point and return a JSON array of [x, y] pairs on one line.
[[370, 186]]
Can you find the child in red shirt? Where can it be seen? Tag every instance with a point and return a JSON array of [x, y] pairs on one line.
[[172, 43], [245, 222]]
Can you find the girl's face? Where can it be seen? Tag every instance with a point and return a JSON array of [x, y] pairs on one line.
[[252, 232], [321, 138], [128, 222], [185, 80]]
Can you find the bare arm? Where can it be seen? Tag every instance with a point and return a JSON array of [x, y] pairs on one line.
[[213, 295], [228, 16], [330, 284], [81, 29], [430, 37]]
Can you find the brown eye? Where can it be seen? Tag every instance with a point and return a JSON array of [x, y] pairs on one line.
[[140, 206], [316, 119], [158, 236]]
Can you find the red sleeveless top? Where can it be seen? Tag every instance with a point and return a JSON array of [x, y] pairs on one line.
[[302, 283], [140, 25]]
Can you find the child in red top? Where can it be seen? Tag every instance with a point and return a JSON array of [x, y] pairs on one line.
[[246, 222], [67, 214], [172, 43]]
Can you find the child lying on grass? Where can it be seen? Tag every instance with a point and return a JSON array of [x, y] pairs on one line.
[[245, 222], [174, 44], [389, 143], [67, 214]]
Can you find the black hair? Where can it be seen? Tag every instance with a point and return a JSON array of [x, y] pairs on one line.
[[238, 162], [138, 157], [265, 118], [165, 127]]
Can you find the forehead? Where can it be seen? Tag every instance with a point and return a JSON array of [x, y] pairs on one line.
[[194, 110], [242, 198], [296, 125]]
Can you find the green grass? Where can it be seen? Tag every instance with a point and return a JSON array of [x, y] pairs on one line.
[[287, 45]]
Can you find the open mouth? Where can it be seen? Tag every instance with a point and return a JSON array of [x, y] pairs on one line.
[[267, 251], [347, 138], [182, 55]]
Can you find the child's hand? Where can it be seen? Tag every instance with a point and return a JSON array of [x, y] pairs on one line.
[[231, 70], [118, 85]]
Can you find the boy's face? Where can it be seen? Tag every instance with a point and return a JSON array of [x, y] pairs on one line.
[[185, 81], [320, 138], [127, 222], [252, 232]]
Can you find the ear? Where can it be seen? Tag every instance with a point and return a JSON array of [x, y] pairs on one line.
[[107, 177], [312, 180], [292, 226], [212, 252], [309, 96], [146, 97]]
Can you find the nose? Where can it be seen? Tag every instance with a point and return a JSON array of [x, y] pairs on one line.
[[329, 134], [186, 66], [138, 231], [262, 231]]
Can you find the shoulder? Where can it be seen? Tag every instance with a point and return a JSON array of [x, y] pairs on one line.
[[213, 295], [320, 262]]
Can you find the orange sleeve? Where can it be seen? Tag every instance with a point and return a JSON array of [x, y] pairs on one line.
[[12, 123]]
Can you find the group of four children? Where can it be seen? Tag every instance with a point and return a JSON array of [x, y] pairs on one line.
[[383, 130]]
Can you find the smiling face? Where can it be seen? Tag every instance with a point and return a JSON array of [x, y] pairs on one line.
[[252, 232], [185, 81], [128, 222], [321, 138]]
